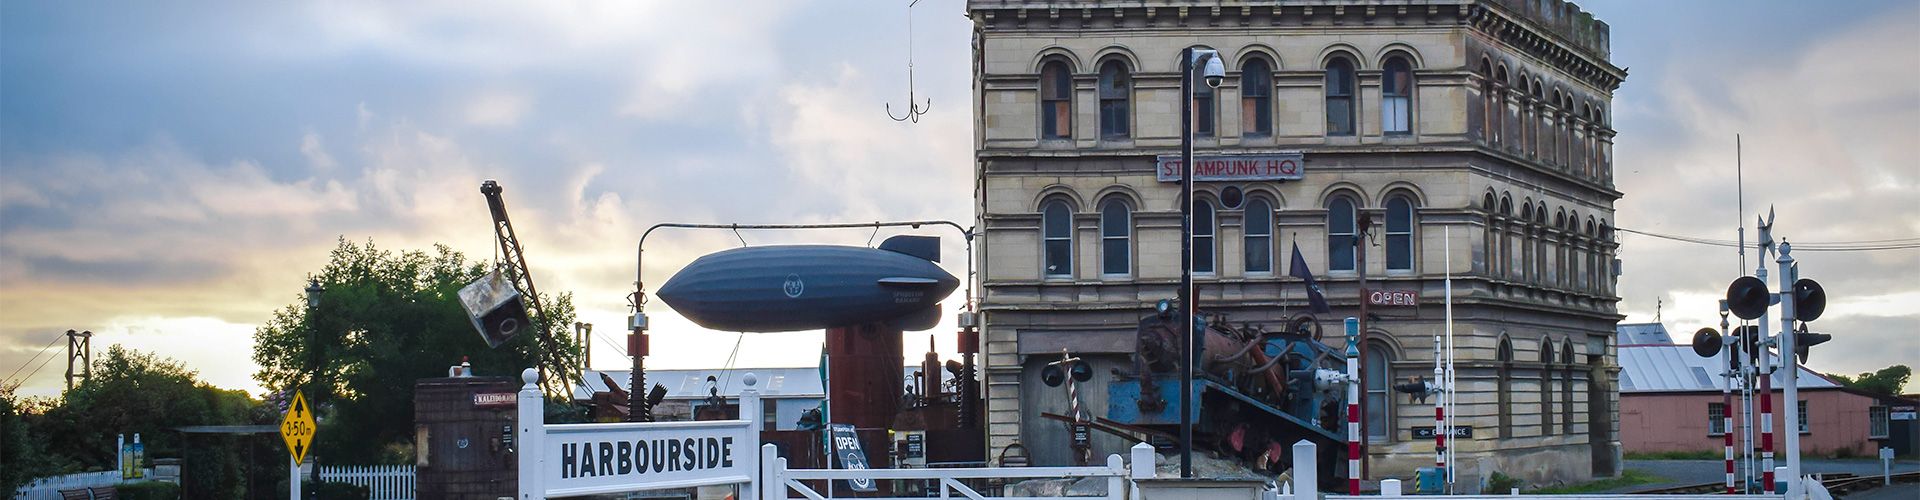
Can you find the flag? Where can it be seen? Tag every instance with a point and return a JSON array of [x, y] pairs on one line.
[[1315, 295]]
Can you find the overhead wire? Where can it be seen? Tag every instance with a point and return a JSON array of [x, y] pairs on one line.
[[1839, 246], [29, 361], [36, 370]]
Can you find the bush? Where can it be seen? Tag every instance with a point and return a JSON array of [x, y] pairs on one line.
[[339, 491], [147, 490], [1500, 484]]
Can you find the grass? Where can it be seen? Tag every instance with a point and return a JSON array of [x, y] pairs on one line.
[[1677, 455], [1627, 478]]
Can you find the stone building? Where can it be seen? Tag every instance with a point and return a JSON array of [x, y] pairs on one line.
[[1484, 119]]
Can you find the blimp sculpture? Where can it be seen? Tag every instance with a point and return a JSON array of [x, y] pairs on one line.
[[784, 288]]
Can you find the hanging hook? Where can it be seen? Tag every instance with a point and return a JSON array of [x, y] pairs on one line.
[[914, 109]]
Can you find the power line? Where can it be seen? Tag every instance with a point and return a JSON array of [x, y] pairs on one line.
[[1843, 246], [36, 370], [43, 350]]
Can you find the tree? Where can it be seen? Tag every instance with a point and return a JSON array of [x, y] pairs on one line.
[[136, 392], [385, 320], [1887, 382]]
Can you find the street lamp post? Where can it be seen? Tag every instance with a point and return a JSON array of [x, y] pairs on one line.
[[314, 290], [1208, 62]]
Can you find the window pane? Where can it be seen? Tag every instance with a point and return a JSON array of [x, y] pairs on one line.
[[1395, 115], [1340, 252], [1203, 115], [1113, 219], [1399, 252], [1339, 116], [1058, 223], [1399, 215], [1202, 254], [1259, 254], [1114, 257], [1340, 216], [1377, 416], [1203, 218], [1059, 257]]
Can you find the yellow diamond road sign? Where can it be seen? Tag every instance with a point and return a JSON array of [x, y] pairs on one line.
[[297, 429]]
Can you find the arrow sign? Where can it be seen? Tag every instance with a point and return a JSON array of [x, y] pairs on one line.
[[297, 428]]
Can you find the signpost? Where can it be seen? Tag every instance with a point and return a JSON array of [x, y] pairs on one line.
[[297, 429], [1459, 432]]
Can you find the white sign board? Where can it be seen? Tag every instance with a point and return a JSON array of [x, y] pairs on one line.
[[565, 460], [583, 459]]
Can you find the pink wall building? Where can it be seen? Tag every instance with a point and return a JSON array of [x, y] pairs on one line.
[[1670, 401]]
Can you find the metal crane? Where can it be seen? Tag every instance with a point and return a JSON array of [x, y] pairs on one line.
[[554, 359]]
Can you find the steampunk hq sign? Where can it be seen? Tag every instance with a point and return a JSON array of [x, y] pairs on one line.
[[1282, 166]]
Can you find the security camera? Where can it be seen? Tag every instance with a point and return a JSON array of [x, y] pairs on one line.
[[1214, 71]]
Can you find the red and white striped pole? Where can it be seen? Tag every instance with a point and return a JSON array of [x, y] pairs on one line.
[[1440, 429], [1353, 406], [1766, 395]]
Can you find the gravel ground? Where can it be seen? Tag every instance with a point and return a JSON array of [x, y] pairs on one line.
[[1686, 472]]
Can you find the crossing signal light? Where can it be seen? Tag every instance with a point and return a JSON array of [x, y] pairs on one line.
[[1809, 300], [1056, 373], [1707, 342], [1747, 297], [1803, 339]]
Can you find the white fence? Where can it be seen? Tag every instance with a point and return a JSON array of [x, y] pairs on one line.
[[48, 488], [777, 482], [384, 482]]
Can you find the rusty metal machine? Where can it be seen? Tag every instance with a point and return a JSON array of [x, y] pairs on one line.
[[1259, 391]]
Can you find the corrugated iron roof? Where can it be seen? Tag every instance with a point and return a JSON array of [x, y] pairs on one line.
[[1675, 368], [1643, 333]]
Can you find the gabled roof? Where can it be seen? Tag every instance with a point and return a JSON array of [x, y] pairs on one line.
[[1643, 333], [1675, 368]]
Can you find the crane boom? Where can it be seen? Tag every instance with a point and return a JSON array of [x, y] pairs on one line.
[[554, 358]]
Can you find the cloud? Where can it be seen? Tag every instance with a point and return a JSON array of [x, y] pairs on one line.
[[497, 109], [1828, 133]]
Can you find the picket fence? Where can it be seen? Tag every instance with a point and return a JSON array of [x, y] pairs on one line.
[[384, 482], [48, 488]]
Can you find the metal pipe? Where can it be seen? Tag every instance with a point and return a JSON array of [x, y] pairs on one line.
[[1791, 362]]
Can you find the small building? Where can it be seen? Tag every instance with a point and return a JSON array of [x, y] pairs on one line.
[[1671, 401]]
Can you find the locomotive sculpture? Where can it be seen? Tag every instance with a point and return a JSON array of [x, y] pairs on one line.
[[1259, 391]]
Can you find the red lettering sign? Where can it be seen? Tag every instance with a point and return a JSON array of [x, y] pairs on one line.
[[1282, 166]]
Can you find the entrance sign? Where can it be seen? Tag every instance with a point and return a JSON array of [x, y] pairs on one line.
[[1459, 432], [1393, 298], [846, 451], [563, 460], [297, 428], [1281, 166]]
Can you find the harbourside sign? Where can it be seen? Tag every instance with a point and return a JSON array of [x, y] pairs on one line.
[[1282, 166], [562, 460]]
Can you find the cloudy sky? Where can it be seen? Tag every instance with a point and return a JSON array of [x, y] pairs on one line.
[[168, 174]]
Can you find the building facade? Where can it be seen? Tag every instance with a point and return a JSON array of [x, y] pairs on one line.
[[1671, 402], [1472, 128]]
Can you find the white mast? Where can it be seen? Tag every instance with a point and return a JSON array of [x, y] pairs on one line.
[[1446, 394]]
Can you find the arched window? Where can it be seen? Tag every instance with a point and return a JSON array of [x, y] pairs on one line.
[[1551, 129], [1501, 123], [1379, 399], [1505, 356], [1506, 236], [1056, 222], [1116, 233], [1396, 96], [1527, 269], [1486, 102], [1203, 109], [1116, 92], [1056, 101], [1399, 234], [1546, 387], [1256, 98], [1488, 261], [1204, 227], [1258, 226], [1566, 386], [1340, 97], [1341, 233]]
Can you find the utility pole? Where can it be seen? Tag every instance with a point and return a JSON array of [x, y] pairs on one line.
[[79, 347]]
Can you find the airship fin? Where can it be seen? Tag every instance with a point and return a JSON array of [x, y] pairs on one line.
[[925, 247], [923, 319]]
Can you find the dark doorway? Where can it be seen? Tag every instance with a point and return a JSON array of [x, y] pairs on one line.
[[1600, 419]]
